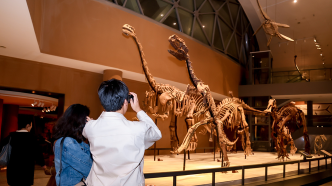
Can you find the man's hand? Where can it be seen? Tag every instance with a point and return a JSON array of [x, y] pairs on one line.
[[135, 103], [88, 119]]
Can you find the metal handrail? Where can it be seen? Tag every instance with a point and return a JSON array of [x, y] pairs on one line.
[[174, 174]]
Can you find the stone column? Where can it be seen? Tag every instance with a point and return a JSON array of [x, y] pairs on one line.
[[310, 112], [109, 74], [9, 120]]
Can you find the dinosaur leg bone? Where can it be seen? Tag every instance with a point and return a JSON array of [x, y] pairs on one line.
[[189, 135]]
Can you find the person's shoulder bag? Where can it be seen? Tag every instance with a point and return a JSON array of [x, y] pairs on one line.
[[82, 183], [5, 154]]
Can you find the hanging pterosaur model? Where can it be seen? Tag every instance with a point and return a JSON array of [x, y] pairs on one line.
[[270, 27]]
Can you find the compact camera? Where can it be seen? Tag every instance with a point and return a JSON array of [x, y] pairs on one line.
[[130, 97]]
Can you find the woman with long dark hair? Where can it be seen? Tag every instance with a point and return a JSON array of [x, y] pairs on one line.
[[76, 160]]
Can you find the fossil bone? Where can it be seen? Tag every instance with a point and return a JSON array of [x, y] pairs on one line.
[[319, 143], [173, 102], [229, 113], [285, 121], [270, 27]]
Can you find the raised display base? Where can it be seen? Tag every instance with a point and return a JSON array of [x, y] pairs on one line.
[[205, 161]]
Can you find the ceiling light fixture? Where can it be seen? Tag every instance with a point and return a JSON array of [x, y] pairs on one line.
[[174, 23], [295, 1], [203, 26], [321, 54], [161, 15]]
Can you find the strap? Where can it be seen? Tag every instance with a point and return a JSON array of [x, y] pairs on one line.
[[61, 146]]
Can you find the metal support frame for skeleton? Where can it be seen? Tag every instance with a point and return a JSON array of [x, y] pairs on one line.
[[270, 27], [229, 113], [319, 143], [173, 102], [285, 121]]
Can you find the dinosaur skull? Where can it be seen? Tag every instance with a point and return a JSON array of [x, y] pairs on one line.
[[179, 45], [128, 30], [271, 106]]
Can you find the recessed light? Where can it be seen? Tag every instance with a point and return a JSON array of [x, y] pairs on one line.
[[203, 26], [161, 15], [174, 23]]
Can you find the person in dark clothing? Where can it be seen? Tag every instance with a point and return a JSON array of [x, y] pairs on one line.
[[25, 151]]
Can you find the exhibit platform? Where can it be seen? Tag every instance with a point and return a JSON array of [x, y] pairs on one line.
[[172, 163]]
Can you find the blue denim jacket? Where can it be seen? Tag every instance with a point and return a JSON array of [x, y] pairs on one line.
[[76, 161]]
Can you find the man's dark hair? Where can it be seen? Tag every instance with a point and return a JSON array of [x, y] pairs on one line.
[[72, 122], [23, 120], [112, 94]]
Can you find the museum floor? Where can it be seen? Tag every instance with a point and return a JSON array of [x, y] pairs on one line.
[[203, 161]]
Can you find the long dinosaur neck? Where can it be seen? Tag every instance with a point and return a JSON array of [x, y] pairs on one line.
[[147, 73], [193, 78]]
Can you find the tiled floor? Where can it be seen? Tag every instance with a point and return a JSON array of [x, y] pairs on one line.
[[199, 161]]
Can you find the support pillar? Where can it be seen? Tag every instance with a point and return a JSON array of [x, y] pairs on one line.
[[309, 114], [1, 111], [9, 120], [110, 74]]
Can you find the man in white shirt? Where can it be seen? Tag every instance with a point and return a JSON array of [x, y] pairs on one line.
[[117, 145]]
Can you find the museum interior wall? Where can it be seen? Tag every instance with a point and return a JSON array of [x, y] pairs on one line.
[[91, 31], [78, 87]]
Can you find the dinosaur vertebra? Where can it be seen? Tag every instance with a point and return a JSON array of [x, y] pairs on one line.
[[285, 121], [270, 27]]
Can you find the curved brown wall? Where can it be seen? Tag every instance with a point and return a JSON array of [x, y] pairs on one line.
[[90, 31]]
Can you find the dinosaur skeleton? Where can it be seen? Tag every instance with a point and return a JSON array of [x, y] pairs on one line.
[[303, 76], [270, 27], [285, 121], [319, 143], [173, 102], [229, 113]]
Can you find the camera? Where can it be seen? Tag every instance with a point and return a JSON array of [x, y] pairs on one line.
[[130, 97]]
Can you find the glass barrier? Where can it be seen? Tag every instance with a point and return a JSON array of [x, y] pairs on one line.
[[305, 76]]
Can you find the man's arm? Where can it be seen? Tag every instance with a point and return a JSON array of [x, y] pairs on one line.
[[153, 133]]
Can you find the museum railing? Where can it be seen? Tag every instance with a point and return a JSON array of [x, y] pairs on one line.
[[174, 174], [308, 75]]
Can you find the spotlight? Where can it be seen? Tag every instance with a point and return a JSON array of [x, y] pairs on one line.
[[48, 110], [295, 1], [321, 54], [33, 104], [203, 26], [161, 15], [317, 45], [44, 110], [319, 48], [174, 23], [315, 40]]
